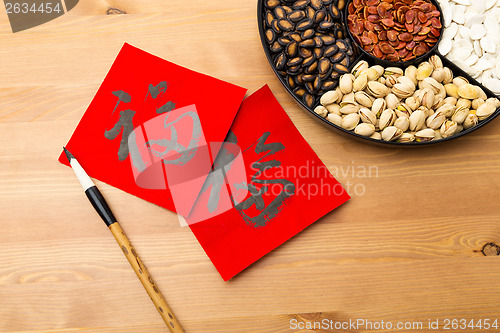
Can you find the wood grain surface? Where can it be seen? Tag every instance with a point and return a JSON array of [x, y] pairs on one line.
[[407, 248]]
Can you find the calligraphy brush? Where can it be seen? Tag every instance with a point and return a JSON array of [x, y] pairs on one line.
[[100, 205]]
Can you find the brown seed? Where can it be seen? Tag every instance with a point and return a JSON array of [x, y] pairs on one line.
[[272, 3], [386, 48], [330, 51], [308, 43], [401, 45], [297, 15], [280, 13], [308, 77], [410, 16], [373, 37], [405, 37], [305, 53], [317, 4], [319, 16], [392, 35], [339, 68], [309, 33], [304, 25], [318, 52], [328, 85], [299, 92], [269, 19], [324, 66], [376, 51], [388, 22], [300, 4], [280, 61], [309, 100], [325, 25], [382, 35], [411, 45], [285, 25], [294, 62], [422, 17], [276, 47], [328, 40], [425, 31], [309, 61], [270, 36], [312, 69], [334, 12], [317, 83], [436, 23], [291, 82], [291, 49]]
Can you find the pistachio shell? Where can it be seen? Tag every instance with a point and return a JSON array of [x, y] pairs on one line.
[[425, 135], [379, 105], [403, 110], [417, 120], [376, 136], [330, 97], [372, 74], [452, 90], [413, 103], [427, 98], [359, 67], [334, 119], [450, 100], [436, 120], [485, 110], [439, 74], [448, 76], [392, 101], [436, 62], [345, 83], [432, 84], [462, 102], [406, 137], [391, 133], [333, 108], [460, 81], [470, 121], [477, 103], [321, 110], [363, 99], [411, 72], [377, 89], [468, 91], [348, 99], [447, 110], [393, 71], [424, 70], [367, 116], [349, 108], [365, 129], [448, 128], [360, 82], [350, 121], [403, 123], [460, 114], [387, 119]]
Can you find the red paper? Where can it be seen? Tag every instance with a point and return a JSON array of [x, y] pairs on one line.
[[300, 189], [138, 88]]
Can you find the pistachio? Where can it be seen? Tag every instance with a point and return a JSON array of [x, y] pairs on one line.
[[334, 119], [360, 82], [393, 71], [411, 72], [450, 100], [413, 103], [468, 91], [427, 98], [460, 114], [436, 62], [330, 97], [448, 76], [406, 137], [452, 90], [424, 70], [403, 123], [467, 103], [425, 135], [392, 101], [359, 67], [485, 110], [350, 121], [405, 88], [403, 110], [436, 120], [333, 108], [447, 109], [345, 83], [363, 99], [377, 89], [460, 81], [372, 74], [321, 111], [348, 99], [494, 101], [417, 120], [367, 116], [365, 129], [439, 74], [349, 108], [437, 134], [481, 93], [477, 103], [470, 121], [448, 128], [379, 105], [390, 81], [376, 136], [387, 119], [432, 84], [391, 133]]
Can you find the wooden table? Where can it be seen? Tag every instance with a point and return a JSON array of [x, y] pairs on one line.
[[406, 248]]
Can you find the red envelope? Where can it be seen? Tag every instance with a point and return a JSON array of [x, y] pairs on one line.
[[138, 88], [288, 188]]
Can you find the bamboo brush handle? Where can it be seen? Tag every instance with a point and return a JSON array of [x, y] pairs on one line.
[[147, 281]]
